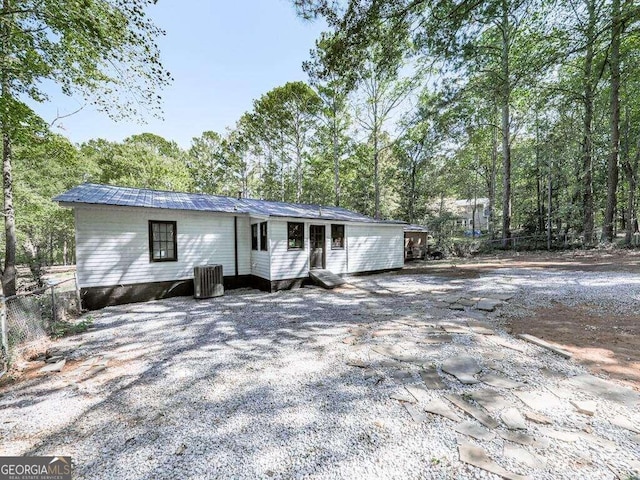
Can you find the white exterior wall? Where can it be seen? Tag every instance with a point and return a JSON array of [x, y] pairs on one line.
[[112, 245], [375, 247], [285, 263], [368, 247], [261, 260]]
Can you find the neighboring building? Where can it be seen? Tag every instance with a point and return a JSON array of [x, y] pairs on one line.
[[416, 242], [134, 244], [464, 210]]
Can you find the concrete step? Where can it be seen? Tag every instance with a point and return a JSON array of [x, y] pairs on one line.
[[325, 278]]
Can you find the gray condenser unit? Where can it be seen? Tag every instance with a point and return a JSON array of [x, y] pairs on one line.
[[208, 281]]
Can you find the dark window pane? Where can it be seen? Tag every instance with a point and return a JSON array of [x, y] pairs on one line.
[[263, 236], [162, 241], [254, 236], [295, 235]]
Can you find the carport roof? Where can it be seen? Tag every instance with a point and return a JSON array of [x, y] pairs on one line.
[[100, 194]]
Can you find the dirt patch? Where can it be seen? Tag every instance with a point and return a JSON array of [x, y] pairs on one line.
[[586, 261], [605, 344]]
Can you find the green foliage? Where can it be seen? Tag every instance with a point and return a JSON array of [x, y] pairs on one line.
[[145, 161], [66, 328]]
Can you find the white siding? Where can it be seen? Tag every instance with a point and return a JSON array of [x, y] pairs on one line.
[[260, 260], [285, 263], [112, 245], [336, 259], [368, 247], [375, 247]]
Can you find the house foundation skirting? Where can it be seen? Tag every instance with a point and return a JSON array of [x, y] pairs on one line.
[[94, 298]]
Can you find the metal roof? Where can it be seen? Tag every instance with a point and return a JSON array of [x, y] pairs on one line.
[[98, 194], [415, 228]]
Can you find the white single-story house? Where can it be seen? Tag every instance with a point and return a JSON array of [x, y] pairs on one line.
[[135, 244]]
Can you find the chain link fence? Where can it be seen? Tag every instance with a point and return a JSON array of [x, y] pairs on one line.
[[29, 318]]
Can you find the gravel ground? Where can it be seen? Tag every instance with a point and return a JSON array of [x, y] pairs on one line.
[[255, 385]]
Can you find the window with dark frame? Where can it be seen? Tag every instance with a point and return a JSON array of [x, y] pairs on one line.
[[295, 235], [263, 236], [254, 236], [163, 241], [337, 237]]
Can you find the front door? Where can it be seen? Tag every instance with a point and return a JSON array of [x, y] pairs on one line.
[[316, 239]]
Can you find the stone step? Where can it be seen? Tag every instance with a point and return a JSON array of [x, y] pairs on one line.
[[325, 278]]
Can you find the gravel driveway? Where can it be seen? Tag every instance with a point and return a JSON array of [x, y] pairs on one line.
[[329, 384]]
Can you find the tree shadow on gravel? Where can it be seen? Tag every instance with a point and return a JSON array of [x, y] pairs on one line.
[[253, 383]]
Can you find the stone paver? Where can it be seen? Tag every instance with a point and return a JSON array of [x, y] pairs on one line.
[[438, 407], [499, 381], [402, 376], [481, 328], [54, 367], [477, 457], [624, 422], [452, 328], [488, 304], [469, 409], [546, 345], [586, 407], [416, 415], [420, 393], [463, 367], [539, 400], [507, 344], [571, 437], [513, 419], [431, 378], [537, 418], [490, 399], [522, 438], [474, 430], [402, 397], [605, 389], [524, 456]]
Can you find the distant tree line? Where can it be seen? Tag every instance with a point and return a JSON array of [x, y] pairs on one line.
[[534, 104]]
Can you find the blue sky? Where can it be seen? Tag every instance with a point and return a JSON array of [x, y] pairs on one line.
[[223, 54]]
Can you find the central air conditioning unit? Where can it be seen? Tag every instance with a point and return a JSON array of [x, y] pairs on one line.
[[208, 281]]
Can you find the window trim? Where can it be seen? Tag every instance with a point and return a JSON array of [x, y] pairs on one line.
[[343, 235], [264, 240], [175, 241], [289, 247], [254, 237]]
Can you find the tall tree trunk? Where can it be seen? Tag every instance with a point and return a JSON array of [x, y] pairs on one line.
[[506, 128], [412, 196], [539, 200], [631, 173], [376, 174], [587, 146], [494, 173], [9, 271], [336, 156], [612, 162]]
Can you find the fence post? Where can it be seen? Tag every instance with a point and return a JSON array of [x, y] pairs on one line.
[[53, 304], [78, 297], [3, 325]]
